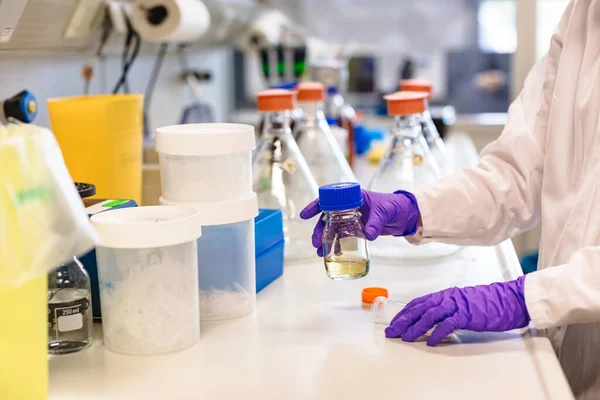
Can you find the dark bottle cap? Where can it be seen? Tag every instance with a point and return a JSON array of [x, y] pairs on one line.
[[85, 189]]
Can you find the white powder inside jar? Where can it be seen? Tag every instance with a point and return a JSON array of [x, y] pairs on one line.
[[154, 308]]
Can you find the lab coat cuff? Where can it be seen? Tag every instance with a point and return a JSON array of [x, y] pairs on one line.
[[536, 300], [422, 236]]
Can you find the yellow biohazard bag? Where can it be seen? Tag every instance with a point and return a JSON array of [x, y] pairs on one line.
[[42, 224], [42, 219]]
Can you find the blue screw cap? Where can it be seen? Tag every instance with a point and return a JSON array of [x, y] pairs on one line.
[[340, 196]]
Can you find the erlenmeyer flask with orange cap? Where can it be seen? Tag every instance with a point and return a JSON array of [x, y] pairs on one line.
[[315, 139], [430, 132], [407, 164], [408, 161], [281, 177]]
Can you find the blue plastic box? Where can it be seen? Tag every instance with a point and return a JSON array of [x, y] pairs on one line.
[[269, 246]]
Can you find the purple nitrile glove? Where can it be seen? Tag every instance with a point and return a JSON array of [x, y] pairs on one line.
[[485, 308], [394, 214]]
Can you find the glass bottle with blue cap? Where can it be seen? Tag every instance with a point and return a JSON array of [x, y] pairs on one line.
[[345, 248]]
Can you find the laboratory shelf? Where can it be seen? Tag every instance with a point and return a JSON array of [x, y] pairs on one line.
[[312, 338]]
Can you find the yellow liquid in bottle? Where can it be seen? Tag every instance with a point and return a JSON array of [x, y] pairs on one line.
[[346, 266]]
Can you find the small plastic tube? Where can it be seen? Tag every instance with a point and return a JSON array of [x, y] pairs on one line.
[[384, 309]]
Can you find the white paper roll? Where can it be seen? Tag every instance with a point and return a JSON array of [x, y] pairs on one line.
[[266, 29], [173, 21]]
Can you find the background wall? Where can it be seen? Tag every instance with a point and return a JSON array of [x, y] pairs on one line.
[[409, 30], [50, 76]]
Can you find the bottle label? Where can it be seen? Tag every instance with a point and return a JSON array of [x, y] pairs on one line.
[[289, 166], [104, 205], [417, 160], [67, 316]]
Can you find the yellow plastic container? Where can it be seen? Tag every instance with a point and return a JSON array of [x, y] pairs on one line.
[[24, 341], [101, 138]]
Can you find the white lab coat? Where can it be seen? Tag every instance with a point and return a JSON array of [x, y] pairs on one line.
[[545, 167]]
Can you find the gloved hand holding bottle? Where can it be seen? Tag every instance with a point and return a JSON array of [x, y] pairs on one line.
[[394, 214]]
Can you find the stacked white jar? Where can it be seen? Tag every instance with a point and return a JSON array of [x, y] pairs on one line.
[[209, 167], [147, 265]]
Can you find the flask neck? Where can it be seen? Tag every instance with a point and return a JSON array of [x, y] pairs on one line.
[[312, 110], [408, 138], [407, 126], [313, 114], [68, 274], [277, 123], [343, 215], [73, 262]]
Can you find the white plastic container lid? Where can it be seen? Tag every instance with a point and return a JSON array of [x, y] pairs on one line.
[[225, 212], [205, 139], [146, 227]]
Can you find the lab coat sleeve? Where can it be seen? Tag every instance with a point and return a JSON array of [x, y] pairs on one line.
[[500, 198], [565, 294]]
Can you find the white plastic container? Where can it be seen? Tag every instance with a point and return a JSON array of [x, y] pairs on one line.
[[205, 163], [148, 269], [226, 258]]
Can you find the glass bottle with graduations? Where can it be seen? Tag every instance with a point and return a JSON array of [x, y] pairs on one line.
[[69, 309]]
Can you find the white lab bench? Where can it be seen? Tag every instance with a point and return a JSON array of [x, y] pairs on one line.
[[312, 338]]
